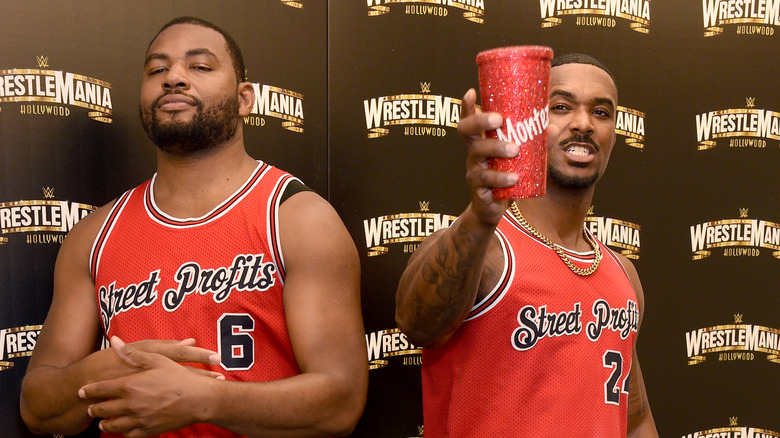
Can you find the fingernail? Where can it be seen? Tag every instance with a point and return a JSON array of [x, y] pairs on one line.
[[214, 359], [82, 393], [512, 149], [89, 412], [512, 178]]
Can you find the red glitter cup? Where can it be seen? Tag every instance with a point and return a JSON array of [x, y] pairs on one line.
[[515, 82]]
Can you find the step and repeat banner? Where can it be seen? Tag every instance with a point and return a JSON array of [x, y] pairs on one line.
[[361, 100]]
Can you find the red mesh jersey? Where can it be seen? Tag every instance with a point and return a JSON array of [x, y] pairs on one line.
[[216, 278], [546, 354]]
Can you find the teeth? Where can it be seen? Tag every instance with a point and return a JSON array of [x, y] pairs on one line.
[[578, 150]]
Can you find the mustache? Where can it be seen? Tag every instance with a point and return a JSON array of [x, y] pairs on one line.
[[197, 101], [580, 138]]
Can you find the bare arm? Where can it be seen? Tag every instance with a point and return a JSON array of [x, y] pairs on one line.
[[322, 305], [453, 267], [443, 279], [66, 355], [640, 417], [322, 308]]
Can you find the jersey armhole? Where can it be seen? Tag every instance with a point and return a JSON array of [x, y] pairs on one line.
[[504, 282]]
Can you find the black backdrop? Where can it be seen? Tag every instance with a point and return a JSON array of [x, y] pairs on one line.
[[394, 178]]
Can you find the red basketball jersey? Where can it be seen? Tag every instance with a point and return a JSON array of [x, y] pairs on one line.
[[546, 354], [216, 278]]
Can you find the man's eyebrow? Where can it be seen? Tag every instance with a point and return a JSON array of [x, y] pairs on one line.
[[190, 53], [155, 56], [604, 101], [562, 93], [198, 52], [597, 100]]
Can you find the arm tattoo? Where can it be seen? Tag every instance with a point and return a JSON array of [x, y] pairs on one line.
[[451, 271]]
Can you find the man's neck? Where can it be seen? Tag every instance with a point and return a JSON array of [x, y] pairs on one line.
[[191, 186], [559, 215]]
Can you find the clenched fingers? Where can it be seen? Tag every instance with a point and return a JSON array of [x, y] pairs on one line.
[[482, 149], [473, 122]]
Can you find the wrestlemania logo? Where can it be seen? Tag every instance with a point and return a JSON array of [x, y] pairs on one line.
[[621, 235], [630, 123], [735, 124], [743, 237], [47, 219], [389, 343], [403, 228], [749, 17], [279, 103], [473, 10], [602, 13], [17, 342], [430, 113], [41, 91], [733, 431], [737, 341]]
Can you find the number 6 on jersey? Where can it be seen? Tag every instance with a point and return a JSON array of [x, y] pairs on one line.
[[236, 345]]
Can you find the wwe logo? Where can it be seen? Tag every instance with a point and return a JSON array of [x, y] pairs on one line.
[[43, 61], [425, 87], [750, 102], [48, 192], [743, 213], [424, 205], [737, 318], [733, 421]]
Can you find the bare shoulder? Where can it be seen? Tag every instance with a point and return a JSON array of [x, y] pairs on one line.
[[304, 203], [309, 211], [80, 239], [309, 228]]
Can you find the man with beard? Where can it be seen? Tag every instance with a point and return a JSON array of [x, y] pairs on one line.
[[228, 290], [528, 323]]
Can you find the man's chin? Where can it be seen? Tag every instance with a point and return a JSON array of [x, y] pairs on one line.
[[185, 150], [173, 118], [572, 180]]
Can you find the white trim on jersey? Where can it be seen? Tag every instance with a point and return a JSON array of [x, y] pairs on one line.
[[95, 254], [198, 221], [504, 282]]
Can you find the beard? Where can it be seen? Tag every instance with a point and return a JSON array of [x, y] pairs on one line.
[[209, 127], [574, 182], [571, 182]]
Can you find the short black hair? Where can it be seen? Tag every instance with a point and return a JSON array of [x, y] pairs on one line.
[[232, 46], [581, 58]]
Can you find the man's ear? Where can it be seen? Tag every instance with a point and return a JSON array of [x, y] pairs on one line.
[[246, 98]]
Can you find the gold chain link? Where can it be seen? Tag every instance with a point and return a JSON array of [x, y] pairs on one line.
[[577, 270]]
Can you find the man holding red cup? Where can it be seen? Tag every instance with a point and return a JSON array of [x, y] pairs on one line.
[[528, 323]]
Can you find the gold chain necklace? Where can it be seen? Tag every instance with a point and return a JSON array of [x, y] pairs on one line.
[[577, 270]]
